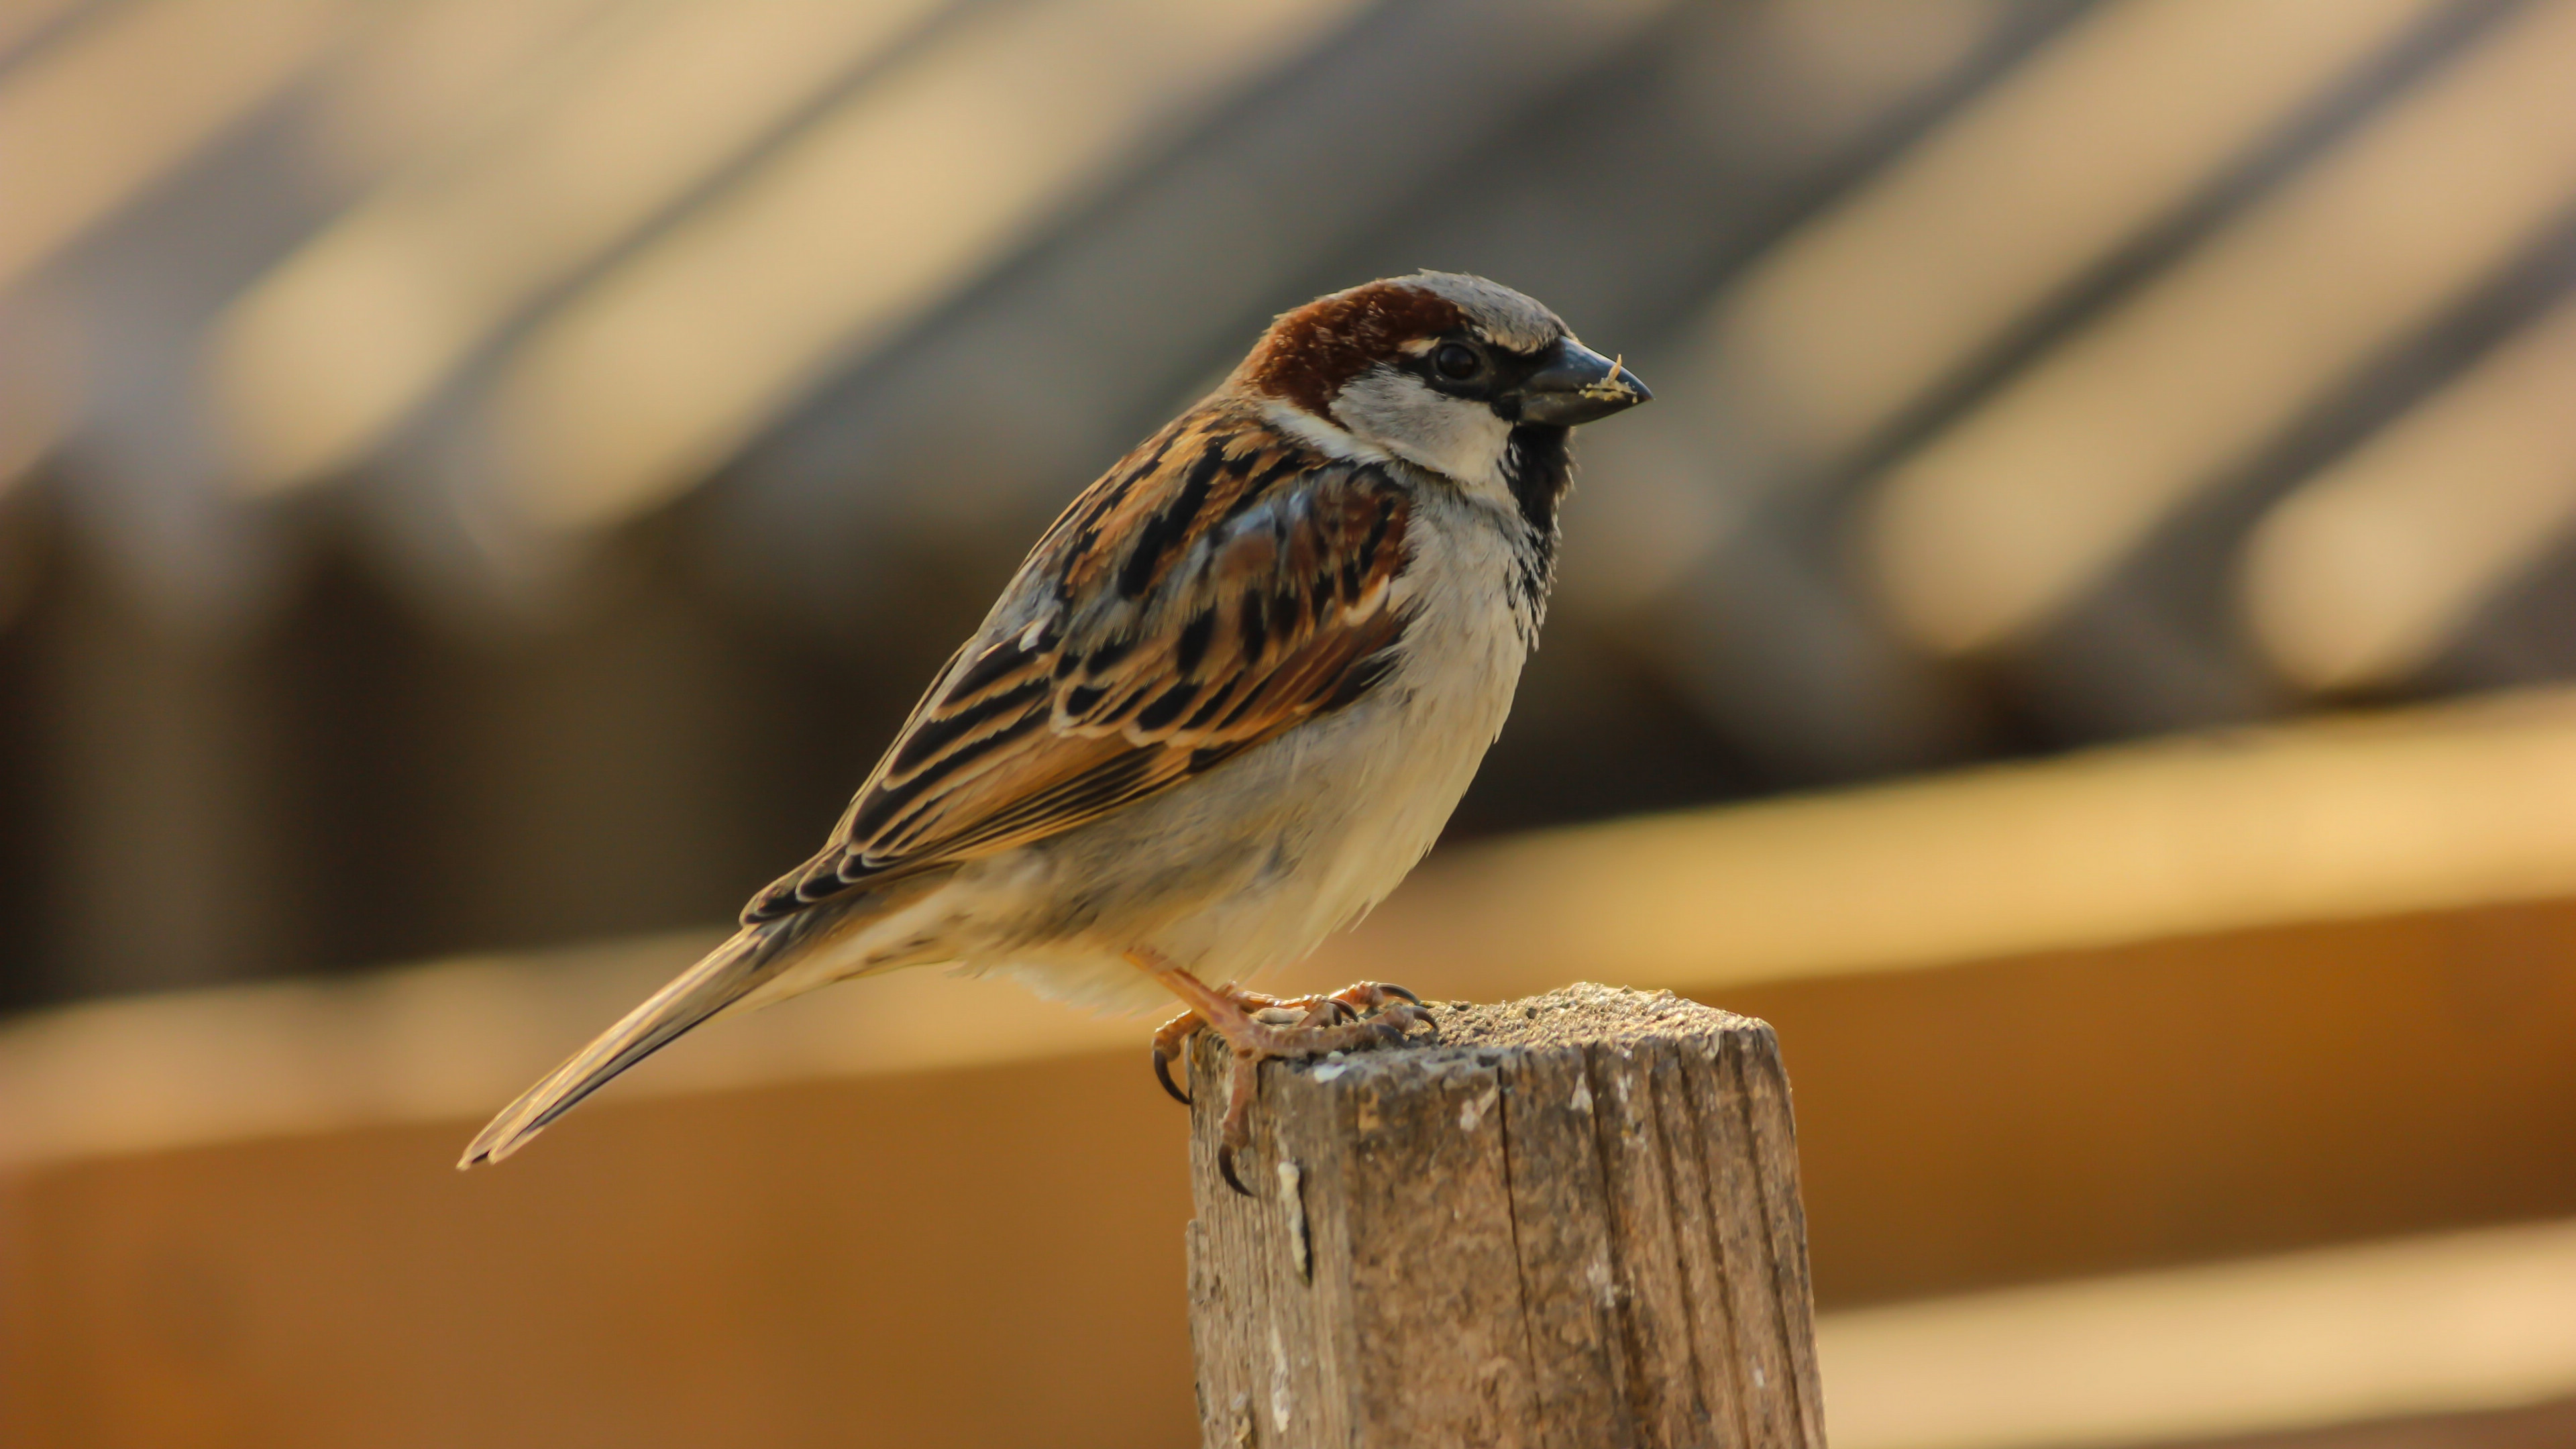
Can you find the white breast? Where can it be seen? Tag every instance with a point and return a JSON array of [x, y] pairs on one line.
[[1401, 759], [1252, 865]]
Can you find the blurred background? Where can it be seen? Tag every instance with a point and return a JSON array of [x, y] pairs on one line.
[[2077, 643]]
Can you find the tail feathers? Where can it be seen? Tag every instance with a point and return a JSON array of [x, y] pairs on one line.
[[728, 973]]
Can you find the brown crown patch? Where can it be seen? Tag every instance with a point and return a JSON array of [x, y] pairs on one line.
[[1307, 355]]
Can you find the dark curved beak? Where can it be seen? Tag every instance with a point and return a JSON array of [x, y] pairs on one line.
[[1578, 385]]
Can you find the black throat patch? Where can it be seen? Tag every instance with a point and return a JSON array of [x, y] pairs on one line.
[[1538, 467]]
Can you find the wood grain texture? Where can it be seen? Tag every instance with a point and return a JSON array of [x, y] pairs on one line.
[[1574, 1222]]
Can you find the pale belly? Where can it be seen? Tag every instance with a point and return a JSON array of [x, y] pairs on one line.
[[1251, 866], [1243, 871]]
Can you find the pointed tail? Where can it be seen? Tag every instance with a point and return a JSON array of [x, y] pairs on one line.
[[728, 974]]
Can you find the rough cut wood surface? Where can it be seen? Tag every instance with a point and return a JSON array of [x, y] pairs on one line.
[[1575, 1222]]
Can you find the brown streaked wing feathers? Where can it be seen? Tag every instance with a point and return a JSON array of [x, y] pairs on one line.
[[1222, 584]]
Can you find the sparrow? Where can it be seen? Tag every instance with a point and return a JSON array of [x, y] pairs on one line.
[[1225, 705]]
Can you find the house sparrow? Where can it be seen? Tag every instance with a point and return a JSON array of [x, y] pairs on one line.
[[1226, 704]]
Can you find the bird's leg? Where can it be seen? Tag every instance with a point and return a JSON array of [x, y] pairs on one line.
[[1257, 1027]]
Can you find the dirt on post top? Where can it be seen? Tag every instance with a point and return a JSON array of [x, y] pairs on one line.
[[1583, 1014]]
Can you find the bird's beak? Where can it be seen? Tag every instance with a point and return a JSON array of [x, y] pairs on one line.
[[1578, 385]]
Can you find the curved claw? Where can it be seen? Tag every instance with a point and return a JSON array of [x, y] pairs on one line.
[[1163, 1074], [1399, 991], [1225, 1169]]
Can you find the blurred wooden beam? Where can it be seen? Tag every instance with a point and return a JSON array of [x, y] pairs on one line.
[[108, 109], [27, 23], [346, 339], [2162, 1102], [2459, 805], [2527, 1426], [1865, 309], [967, 1257], [453, 1041], [857, 225], [2469, 1321], [2371, 568]]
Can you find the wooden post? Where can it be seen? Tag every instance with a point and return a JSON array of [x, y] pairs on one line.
[[1574, 1222]]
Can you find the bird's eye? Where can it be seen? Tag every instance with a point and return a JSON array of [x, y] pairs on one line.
[[1456, 361]]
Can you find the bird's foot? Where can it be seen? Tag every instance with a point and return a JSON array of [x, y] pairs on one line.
[[1257, 1028], [1368, 1014], [1350, 1004]]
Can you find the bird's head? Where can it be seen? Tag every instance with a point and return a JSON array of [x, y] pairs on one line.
[[1451, 372]]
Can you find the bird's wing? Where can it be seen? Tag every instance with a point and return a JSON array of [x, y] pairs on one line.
[[1222, 584]]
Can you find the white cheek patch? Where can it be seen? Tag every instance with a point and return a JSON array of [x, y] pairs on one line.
[[1458, 437], [1332, 441]]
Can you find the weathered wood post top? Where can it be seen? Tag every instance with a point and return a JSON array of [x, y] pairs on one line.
[[1574, 1221]]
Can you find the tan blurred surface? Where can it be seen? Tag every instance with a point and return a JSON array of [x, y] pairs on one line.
[[976, 1257], [2160, 1103], [2475, 1321], [787, 1264], [2460, 807], [2467, 803], [232, 1211], [2533, 1426]]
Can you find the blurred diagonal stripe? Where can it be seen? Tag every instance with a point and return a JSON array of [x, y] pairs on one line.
[[24, 22], [411, 73], [2364, 574], [1108, 321], [2012, 513], [348, 337], [1826, 348], [1865, 309], [94, 119], [429, 70], [872, 218], [35, 399]]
